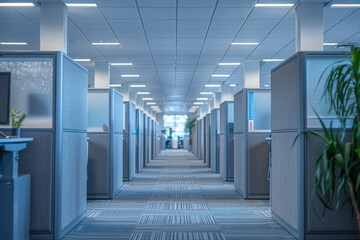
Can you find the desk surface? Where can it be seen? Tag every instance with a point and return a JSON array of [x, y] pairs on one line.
[[4, 141]]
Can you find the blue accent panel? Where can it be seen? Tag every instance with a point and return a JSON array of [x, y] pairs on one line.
[[251, 105]]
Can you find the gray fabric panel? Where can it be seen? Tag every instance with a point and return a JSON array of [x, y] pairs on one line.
[[330, 222], [73, 176], [258, 164], [222, 117], [98, 164], [117, 162], [238, 161], [284, 178], [230, 156], [284, 97], [37, 160], [118, 124], [239, 110], [223, 149], [75, 90]]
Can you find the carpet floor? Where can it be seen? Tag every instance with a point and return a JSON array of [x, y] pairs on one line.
[[178, 197]]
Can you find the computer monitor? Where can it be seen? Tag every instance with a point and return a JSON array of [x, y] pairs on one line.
[[5, 78]]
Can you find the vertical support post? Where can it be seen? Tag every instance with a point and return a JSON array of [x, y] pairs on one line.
[[226, 93], [251, 74], [309, 26], [217, 99], [102, 75], [53, 26]]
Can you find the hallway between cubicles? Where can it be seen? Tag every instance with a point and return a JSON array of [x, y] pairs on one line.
[[177, 196]]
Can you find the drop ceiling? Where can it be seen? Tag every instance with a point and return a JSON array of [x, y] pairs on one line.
[[175, 45]]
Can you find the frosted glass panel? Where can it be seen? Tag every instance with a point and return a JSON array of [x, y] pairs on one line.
[[31, 89], [259, 111], [316, 65], [230, 112], [98, 112]]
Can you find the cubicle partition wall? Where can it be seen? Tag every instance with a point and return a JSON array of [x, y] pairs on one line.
[[146, 139], [129, 141], [149, 137], [207, 138], [52, 89], [105, 132], [252, 124], [159, 139], [194, 133], [139, 140], [204, 138], [215, 140], [295, 92], [200, 136], [227, 140], [153, 140]]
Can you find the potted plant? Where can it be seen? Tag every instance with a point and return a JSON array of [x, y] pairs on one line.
[[17, 117], [338, 167], [190, 123]]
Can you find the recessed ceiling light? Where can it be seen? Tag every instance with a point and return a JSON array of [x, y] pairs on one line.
[[198, 103], [137, 85], [212, 85], [232, 85], [195, 107], [82, 59], [130, 75], [330, 44], [81, 4], [273, 60], [266, 85], [244, 43], [115, 85], [151, 103], [154, 106], [121, 64], [202, 98], [23, 4], [206, 93], [13, 43], [148, 99], [105, 43], [229, 64], [345, 5], [220, 75], [143, 93], [192, 111], [274, 5]]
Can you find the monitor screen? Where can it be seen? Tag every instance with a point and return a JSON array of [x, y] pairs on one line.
[[4, 97]]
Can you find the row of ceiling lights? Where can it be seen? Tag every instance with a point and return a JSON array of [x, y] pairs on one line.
[[156, 108]]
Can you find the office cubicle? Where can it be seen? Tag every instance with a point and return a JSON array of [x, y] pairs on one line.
[[295, 91], [146, 139], [215, 140], [139, 155], [252, 124], [149, 137], [129, 141], [194, 133], [153, 140], [52, 89], [227, 140], [105, 132], [207, 139], [200, 139]]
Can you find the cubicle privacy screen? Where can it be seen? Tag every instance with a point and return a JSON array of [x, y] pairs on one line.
[[129, 141], [227, 140], [139, 140], [105, 132], [153, 139], [296, 90], [215, 140], [52, 89], [207, 138], [149, 138], [194, 133], [146, 140], [252, 124]]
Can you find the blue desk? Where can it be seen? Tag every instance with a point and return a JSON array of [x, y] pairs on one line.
[[14, 191]]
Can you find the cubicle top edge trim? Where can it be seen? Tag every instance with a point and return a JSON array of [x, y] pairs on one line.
[[74, 62], [253, 90], [105, 90], [309, 53]]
